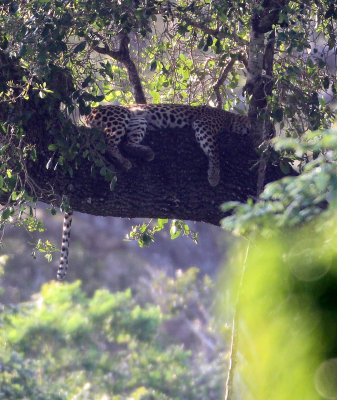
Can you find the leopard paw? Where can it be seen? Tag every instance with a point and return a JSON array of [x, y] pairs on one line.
[[140, 150], [126, 164], [149, 154], [213, 176]]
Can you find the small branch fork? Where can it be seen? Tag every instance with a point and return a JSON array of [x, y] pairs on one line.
[[122, 55], [221, 81], [216, 33]]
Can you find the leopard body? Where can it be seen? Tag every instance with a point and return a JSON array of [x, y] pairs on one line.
[[134, 121]]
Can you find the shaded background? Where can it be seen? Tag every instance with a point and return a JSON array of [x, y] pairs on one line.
[[102, 258]]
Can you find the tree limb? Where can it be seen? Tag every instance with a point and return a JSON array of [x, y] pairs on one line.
[[216, 32], [260, 76], [122, 55], [173, 185], [221, 81]]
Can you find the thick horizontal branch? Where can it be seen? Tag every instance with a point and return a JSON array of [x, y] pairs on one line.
[[173, 185]]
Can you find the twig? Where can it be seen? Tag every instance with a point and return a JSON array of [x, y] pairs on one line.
[[234, 335], [267, 127], [221, 81], [216, 33]]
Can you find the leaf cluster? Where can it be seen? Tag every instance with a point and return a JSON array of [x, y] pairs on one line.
[[292, 200], [145, 233], [63, 344]]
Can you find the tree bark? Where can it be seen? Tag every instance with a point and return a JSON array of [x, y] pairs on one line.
[[259, 82], [123, 55], [173, 185]]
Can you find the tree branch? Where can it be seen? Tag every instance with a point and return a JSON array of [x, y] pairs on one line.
[[221, 81], [173, 185], [216, 32], [267, 15], [260, 65], [260, 76], [122, 55]]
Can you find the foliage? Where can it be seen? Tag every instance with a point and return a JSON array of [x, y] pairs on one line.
[[293, 200], [144, 233], [287, 315], [63, 344]]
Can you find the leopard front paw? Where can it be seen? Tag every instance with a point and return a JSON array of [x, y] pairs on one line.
[[140, 151], [213, 176], [126, 164], [149, 154]]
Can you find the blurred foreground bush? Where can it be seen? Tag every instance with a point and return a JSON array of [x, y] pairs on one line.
[[287, 315], [65, 345]]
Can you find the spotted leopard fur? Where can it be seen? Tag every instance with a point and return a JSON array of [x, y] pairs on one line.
[[134, 121], [63, 266]]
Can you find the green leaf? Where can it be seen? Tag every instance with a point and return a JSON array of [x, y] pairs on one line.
[[7, 213], [108, 70], [277, 114], [33, 155], [161, 222], [4, 42], [175, 235], [229, 205], [153, 66], [174, 232], [326, 82]]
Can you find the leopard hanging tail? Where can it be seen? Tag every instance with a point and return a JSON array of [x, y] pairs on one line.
[[63, 267]]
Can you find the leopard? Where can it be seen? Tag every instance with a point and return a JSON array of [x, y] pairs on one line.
[[132, 122]]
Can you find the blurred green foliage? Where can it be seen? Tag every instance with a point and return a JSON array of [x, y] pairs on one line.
[[287, 315], [65, 345]]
